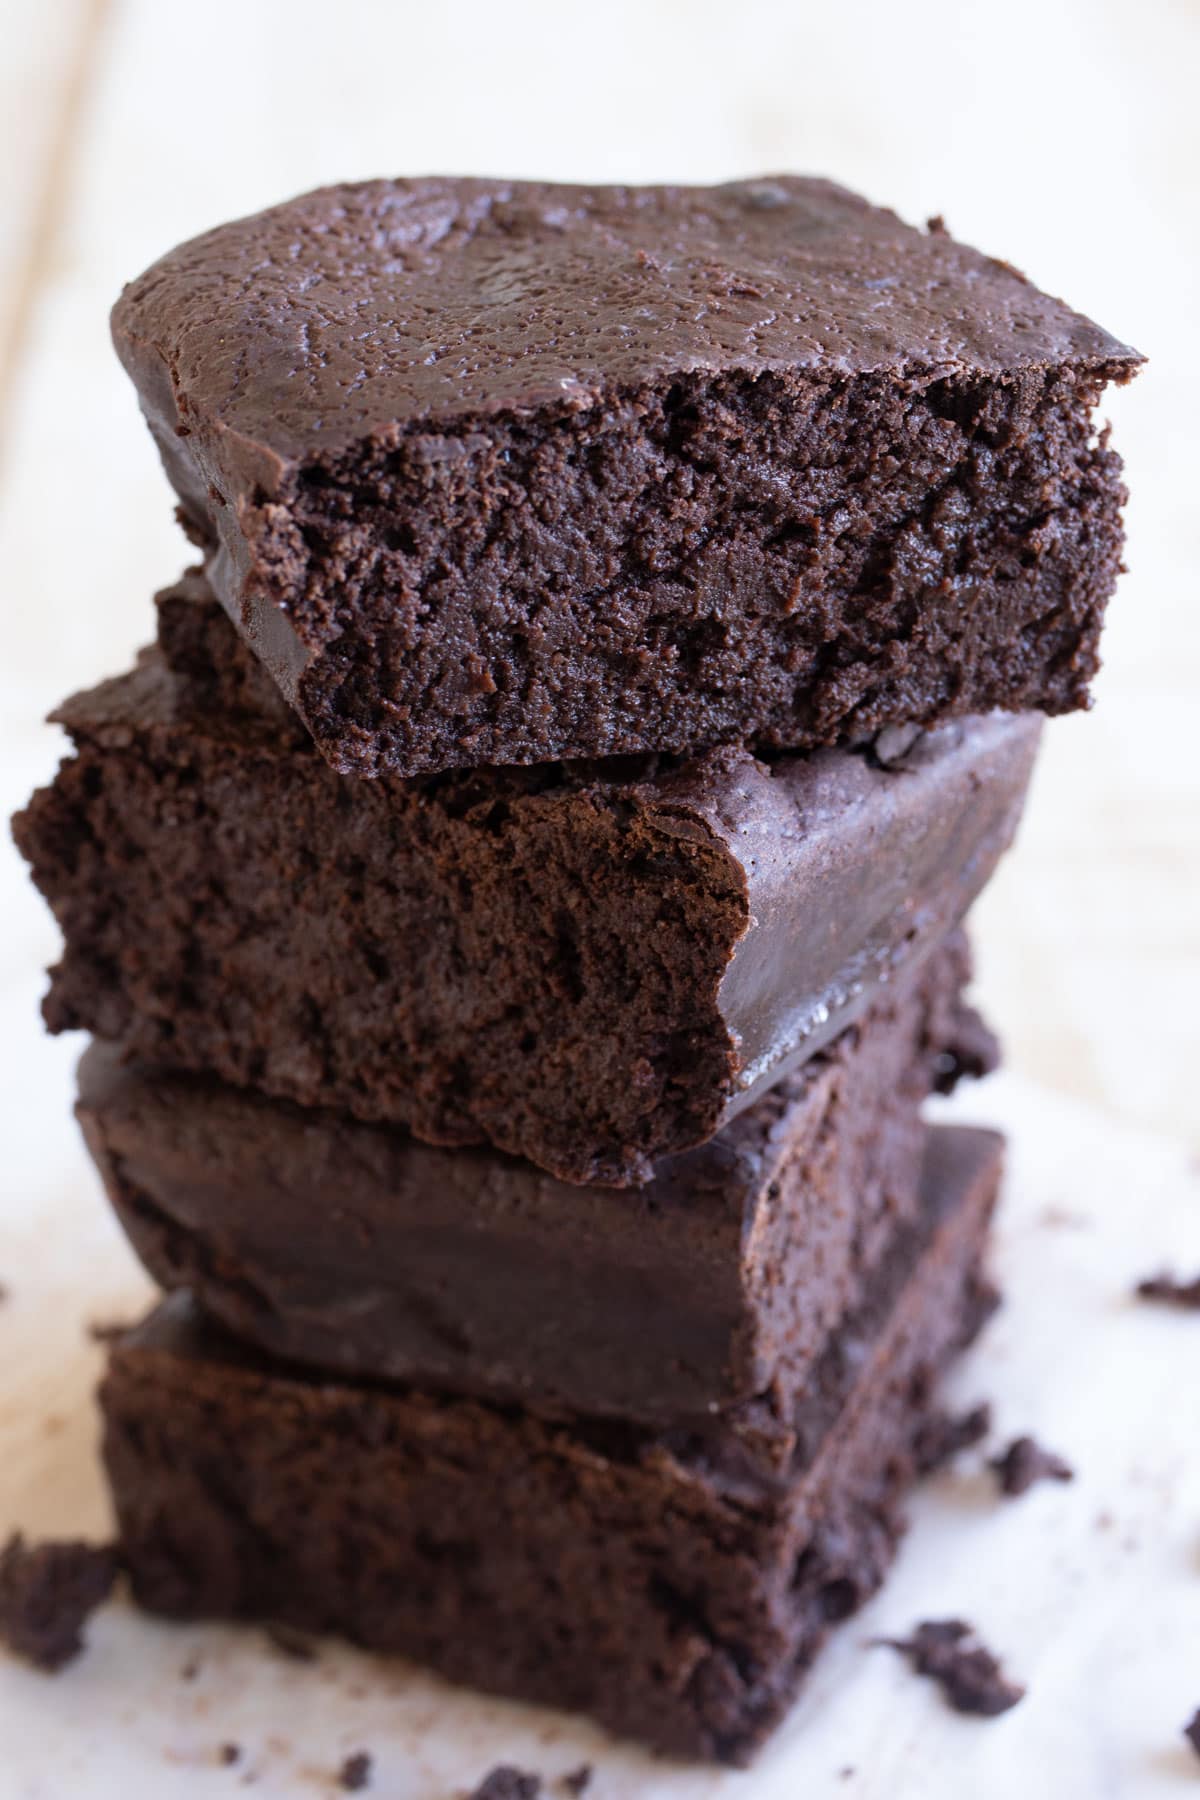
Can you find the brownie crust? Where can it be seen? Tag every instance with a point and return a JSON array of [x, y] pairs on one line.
[[589, 966], [357, 1250], [583, 1566], [503, 472]]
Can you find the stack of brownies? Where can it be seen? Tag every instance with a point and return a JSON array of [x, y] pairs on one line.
[[518, 900]]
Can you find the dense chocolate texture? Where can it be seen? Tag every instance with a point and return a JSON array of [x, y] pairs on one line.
[[593, 1567], [592, 967], [356, 1250], [48, 1592], [502, 472]]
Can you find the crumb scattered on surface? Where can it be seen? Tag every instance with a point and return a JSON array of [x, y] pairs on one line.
[[297, 1646], [945, 1434], [1171, 1291], [355, 1772], [1191, 1731], [506, 1783], [190, 1669], [577, 1781], [47, 1593], [1026, 1462], [228, 1754], [969, 1676]]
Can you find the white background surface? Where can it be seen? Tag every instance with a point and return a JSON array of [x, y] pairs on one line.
[[1064, 135]]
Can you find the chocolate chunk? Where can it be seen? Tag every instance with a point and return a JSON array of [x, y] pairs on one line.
[[948, 1433], [970, 1677], [1171, 1291], [47, 1593], [1024, 1463], [355, 1772], [506, 1783]]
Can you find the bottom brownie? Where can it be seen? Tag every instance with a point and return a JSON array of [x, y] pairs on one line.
[[594, 1567]]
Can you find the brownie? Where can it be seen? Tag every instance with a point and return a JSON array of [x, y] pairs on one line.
[[354, 1248], [592, 966], [504, 472], [584, 1565]]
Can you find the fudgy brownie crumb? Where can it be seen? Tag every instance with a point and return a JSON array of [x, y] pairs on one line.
[[355, 1772], [577, 1781], [47, 1592], [506, 1783], [1191, 1731], [1171, 1291], [948, 1433], [229, 1754], [1026, 1462], [970, 1677]]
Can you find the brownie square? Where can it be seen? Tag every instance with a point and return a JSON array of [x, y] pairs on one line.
[[591, 966], [503, 472], [589, 1566], [357, 1250]]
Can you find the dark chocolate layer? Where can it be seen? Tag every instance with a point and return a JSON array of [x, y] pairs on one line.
[[356, 1250], [589, 966], [501, 472], [578, 1566]]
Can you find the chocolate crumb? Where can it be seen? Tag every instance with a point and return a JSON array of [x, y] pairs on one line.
[[1024, 1463], [1171, 1291], [506, 1783], [969, 1676], [945, 1434], [293, 1644], [47, 1592], [190, 1669], [578, 1780], [355, 1772], [1191, 1731], [937, 227], [228, 1754]]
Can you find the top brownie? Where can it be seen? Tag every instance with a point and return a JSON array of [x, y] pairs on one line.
[[503, 472]]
